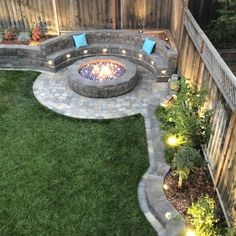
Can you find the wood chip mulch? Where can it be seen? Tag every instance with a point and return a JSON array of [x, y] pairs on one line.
[[198, 184]]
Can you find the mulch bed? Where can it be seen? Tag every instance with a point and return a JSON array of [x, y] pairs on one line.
[[198, 184]]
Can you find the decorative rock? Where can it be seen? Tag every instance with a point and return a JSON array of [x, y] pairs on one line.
[[23, 36]]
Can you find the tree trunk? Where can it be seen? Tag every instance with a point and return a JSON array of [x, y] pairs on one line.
[[180, 183]]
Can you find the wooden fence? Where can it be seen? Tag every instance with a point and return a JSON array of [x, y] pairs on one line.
[[74, 15], [200, 62]]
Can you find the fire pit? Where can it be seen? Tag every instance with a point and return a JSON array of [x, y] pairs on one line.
[[102, 77]]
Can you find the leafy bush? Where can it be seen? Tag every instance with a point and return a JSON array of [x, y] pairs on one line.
[[10, 34], [186, 118], [36, 34], [223, 29], [184, 161], [203, 216], [40, 29], [231, 231]]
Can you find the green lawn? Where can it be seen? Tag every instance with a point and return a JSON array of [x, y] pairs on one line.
[[61, 176]]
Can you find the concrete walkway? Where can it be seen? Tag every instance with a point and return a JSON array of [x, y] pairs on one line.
[[52, 91]]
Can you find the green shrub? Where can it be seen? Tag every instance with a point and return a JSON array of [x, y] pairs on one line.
[[203, 216], [231, 231], [184, 161], [186, 117], [222, 31]]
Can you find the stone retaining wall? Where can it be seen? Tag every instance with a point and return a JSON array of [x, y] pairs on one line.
[[21, 56]]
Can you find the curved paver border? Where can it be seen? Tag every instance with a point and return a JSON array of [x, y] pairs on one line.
[[152, 198]]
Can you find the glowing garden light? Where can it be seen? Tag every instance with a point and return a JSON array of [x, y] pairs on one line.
[[165, 187], [172, 141], [85, 51], [123, 51], [68, 56], [104, 50], [168, 215], [140, 55], [50, 62], [190, 232], [163, 72]]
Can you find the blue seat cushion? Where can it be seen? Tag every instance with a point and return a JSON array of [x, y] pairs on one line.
[[148, 45], [80, 40]]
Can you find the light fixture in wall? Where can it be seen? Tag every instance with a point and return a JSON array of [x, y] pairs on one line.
[[140, 31], [68, 56], [104, 50], [163, 72], [166, 39], [123, 51], [140, 55], [152, 62], [85, 51], [50, 62]]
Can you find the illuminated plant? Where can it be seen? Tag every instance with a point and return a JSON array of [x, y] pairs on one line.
[[184, 161], [203, 216], [186, 117]]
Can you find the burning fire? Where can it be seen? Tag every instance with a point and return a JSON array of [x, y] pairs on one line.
[[102, 71]]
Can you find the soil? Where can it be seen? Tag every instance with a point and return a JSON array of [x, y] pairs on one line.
[[198, 184]]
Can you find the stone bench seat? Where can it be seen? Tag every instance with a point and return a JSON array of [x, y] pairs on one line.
[[60, 52], [65, 57]]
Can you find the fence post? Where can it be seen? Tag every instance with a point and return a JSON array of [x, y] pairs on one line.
[[56, 17], [113, 9]]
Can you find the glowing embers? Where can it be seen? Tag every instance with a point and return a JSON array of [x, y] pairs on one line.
[[103, 70]]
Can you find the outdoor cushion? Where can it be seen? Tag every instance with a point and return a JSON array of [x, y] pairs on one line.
[[148, 45], [80, 40]]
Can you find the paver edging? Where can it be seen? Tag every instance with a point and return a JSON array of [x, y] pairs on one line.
[[152, 199]]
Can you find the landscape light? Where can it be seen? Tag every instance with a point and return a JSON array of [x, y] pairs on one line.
[[104, 50], [190, 232], [85, 51], [67, 56], [168, 215], [140, 56], [172, 141], [163, 72], [165, 187], [123, 52], [50, 62]]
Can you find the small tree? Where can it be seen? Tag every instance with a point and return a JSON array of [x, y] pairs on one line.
[[187, 114], [223, 29], [203, 216], [184, 161]]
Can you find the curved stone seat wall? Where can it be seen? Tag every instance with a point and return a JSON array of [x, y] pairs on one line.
[[164, 57], [59, 52]]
